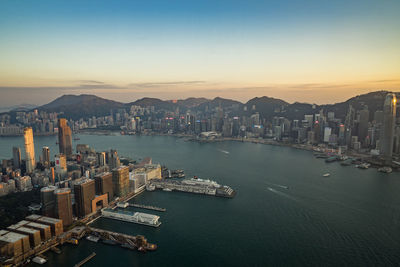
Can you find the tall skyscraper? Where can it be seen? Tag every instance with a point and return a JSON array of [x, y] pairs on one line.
[[47, 199], [114, 161], [46, 156], [64, 138], [16, 157], [349, 124], [29, 150], [363, 125], [389, 121], [101, 158], [120, 179], [63, 205], [61, 166], [104, 185], [84, 194]]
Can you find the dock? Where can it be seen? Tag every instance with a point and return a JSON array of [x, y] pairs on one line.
[[138, 242], [147, 207], [85, 260]]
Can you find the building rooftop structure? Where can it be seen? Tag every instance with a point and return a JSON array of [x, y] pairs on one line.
[[33, 217], [27, 230], [83, 181], [11, 237], [38, 225], [48, 220]]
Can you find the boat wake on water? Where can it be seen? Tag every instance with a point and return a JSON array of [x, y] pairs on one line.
[[282, 194], [278, 185], [223, 151]]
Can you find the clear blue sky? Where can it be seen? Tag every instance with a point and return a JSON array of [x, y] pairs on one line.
[[316, 51]]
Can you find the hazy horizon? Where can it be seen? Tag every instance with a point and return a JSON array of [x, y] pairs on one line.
[[308, 51]]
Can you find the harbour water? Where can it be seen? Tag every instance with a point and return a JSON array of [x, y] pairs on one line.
[[284, 214]]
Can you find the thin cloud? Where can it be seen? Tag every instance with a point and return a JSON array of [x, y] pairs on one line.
[[385, 81], [158, 84], [90, 81]]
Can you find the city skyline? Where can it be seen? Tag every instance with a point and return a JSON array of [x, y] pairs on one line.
[[320, 52]]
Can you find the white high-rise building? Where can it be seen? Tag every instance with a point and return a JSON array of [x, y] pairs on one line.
[[327, 134], [389, 121]]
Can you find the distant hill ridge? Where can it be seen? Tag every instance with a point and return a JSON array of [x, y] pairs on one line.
[[83, 106]]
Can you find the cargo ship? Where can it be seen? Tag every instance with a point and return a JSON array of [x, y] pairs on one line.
[[133, 217]]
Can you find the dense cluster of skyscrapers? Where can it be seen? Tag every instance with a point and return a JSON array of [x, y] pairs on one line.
[[74, 185], [376, 134]]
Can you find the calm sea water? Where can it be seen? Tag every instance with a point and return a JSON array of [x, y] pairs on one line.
[[351, 218]]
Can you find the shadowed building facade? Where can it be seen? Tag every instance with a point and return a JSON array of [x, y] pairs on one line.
[[63, 205], [104, 184], [47, 199], [84, 194], [120, 180]]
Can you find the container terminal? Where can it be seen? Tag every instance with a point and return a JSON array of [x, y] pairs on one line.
[[30, 238]]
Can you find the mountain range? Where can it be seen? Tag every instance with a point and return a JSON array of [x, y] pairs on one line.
[[83, 106]]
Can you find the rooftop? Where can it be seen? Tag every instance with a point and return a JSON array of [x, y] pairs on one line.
[[62, 191], [3, 232], [11, 237], [122, 167], [48, 188], [38, 225], [33, 217], [103, 174], [27, 230], [83, 181], [49, 220]]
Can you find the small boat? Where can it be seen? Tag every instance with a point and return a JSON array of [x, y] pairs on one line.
[[150, 187], [128, 246], [385, 169], [109, 242], [151, 247], [326, 174], [363, 166], [39, 260], [167, 189], [92, 238], [331, 159]]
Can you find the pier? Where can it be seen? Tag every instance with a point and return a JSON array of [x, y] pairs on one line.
[[147, 207], [85, 260]]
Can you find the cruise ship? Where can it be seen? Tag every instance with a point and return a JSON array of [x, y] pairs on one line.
[[195, 185], [134, 217], [198, 181]]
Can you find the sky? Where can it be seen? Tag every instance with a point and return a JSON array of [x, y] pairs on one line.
[[315, 51]]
